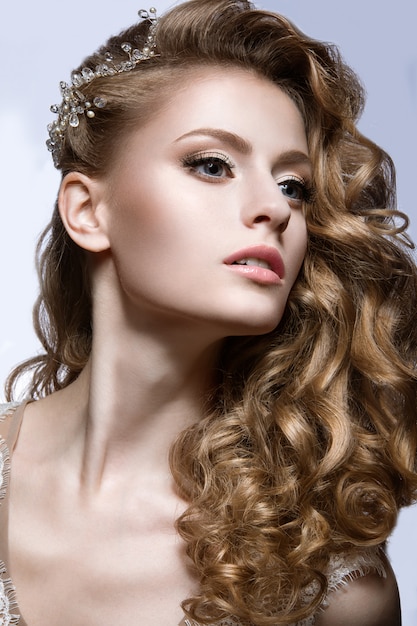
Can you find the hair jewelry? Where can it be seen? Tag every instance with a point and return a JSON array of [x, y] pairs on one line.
[[75, 103]]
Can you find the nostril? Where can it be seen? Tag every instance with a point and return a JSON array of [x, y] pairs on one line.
[[261, 218]]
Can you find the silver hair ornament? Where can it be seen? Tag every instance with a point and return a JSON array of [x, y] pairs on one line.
[[75, 104]]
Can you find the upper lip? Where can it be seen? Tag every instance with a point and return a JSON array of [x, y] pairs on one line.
[[262, 252]]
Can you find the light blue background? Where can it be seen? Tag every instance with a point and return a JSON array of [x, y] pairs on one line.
[[40, 44]]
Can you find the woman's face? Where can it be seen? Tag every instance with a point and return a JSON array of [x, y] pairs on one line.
[[204, 206]]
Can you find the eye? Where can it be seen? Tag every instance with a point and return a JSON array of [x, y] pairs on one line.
[[210, 166], [296, 189]]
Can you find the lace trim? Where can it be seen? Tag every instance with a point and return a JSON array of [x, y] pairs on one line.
[[8, 603], [7, 600], [5, 411], [345, 567], [4, 468]]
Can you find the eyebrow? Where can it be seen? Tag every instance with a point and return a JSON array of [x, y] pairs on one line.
[[234, 141], [295, 157], [289, 157]]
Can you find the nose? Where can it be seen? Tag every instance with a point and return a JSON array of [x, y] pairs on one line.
[[264, 203]]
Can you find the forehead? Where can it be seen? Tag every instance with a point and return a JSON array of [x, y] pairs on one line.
[[224, 98], [232, 82]]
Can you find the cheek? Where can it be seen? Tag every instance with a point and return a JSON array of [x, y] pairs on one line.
[[136, 221], [151, 236]]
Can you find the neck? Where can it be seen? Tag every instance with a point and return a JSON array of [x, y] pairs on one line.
[[147, 379], [134, 397]]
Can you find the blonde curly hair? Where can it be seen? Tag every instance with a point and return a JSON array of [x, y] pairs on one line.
[[309, 444]]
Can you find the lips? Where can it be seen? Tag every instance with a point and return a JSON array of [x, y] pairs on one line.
[[254, 262], [261, 263]]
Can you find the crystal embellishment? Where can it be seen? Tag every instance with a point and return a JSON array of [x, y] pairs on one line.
[[99, 102], [75, 104], [73, 120]]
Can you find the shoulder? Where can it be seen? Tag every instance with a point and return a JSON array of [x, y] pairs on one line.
[[368, 600]]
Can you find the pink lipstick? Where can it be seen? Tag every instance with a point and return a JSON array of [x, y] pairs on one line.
[[260, 263]]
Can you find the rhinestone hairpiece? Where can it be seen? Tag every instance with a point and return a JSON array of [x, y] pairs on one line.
[[75, 103]]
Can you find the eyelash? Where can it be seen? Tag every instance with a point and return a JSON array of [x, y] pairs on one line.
[[192, 161], [306, 188]]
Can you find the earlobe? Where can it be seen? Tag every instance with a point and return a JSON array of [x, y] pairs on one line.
[[80, 203]]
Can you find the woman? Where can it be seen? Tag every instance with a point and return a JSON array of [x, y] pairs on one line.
[[225, 411]]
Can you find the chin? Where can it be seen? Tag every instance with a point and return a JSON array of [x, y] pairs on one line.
[[254, 316], [257, 326], [258, 331]]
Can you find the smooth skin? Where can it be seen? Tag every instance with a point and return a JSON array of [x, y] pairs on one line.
[[93, 504]]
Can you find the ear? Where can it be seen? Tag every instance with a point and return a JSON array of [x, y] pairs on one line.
[[81, 201]]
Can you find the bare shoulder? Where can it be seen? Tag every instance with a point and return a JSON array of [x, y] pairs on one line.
[[370, 600]]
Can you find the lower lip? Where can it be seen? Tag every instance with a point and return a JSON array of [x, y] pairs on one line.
[[259, 275]]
